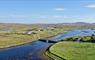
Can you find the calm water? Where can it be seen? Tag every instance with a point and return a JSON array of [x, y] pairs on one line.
[[33, 50]]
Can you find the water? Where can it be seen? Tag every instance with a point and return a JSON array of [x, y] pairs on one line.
[[22, 51], [73, 33], [34, 50]]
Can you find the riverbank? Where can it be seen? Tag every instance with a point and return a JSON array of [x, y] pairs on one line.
[[72, 51], [37, 49], [8, 40], [32, 51]]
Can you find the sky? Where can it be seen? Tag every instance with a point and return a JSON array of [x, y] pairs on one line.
[[47, 11]]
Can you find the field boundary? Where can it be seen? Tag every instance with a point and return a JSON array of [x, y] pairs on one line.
[[51, 55]]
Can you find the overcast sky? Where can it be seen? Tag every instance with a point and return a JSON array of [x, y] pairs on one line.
[[47, 11]]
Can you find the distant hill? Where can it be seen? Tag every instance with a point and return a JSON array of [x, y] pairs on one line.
[[24, 26]]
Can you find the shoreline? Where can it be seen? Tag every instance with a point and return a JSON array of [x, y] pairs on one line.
[[17, 45], [9, 47]]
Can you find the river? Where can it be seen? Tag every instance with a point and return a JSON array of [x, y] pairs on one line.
[[36, 49]]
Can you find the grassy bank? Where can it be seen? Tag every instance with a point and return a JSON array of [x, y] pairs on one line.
[[73, 51], [13, 39], [16, 36]]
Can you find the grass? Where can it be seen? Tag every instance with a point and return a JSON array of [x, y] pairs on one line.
[[17, 38], [13, 39], [73, 50], [90, 38], [52, 56]]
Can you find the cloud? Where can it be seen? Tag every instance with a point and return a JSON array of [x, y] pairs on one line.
[[45, 17], [91, 6], [15, 16], [57, 16], [18, 16], [42, 17], [59, 9]]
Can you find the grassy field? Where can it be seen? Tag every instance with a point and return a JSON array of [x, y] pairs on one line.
[[73, 51], [8, 39], [11, 39], [42, 31]]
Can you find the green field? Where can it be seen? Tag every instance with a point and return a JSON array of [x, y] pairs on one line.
[[13, 39], [72, 51], [17, 36], [90, 38]]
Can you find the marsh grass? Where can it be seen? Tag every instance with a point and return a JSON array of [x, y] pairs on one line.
[[13, 39]]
